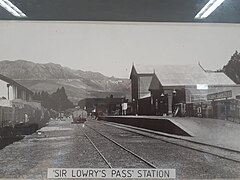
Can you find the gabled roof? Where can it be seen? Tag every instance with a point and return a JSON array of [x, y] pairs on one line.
[[143, 69], [182, 75], [12, 82], [133, 72], [155, 83]]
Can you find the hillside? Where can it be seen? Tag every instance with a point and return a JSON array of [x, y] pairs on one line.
[[78, 84]]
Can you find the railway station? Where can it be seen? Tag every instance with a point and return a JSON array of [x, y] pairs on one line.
[[189, 89], [73, 106], [143, 141], [148, 136]]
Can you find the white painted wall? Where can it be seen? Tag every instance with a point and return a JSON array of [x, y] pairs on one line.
[[3, 89], [11, 97], [14, 90]]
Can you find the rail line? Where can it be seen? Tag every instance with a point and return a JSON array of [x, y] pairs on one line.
[[99, 152], [116, 143], [188, 144]]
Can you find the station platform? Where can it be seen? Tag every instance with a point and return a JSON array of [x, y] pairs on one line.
[[216, 132]]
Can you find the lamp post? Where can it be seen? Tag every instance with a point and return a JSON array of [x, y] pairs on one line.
[[162, 104], [174, 92], [134, 106], [174, 100]]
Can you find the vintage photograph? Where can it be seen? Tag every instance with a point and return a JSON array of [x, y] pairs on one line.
[[142, 99]]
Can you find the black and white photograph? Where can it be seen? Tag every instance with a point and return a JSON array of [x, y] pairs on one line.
[[119, 89]]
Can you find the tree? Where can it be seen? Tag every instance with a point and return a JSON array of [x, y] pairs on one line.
[[232, 69], [57, 100]]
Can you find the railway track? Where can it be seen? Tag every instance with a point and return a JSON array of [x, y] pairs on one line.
[[221, 152], [149, 164]]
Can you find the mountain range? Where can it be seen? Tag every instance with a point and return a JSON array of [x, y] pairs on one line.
[[78, 84]]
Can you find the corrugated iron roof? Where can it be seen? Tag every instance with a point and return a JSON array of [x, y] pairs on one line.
[[182, 75], [11, 81]]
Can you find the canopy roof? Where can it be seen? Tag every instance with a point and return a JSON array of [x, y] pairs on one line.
[[12, 82]]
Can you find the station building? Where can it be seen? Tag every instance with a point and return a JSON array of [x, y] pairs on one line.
[[17, 106], [103, 106], [11, 90], [156, 89]]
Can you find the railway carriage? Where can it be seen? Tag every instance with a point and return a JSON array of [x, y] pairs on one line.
[[79, 116]]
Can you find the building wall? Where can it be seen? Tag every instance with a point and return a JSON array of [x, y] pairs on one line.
[[173, 99], [145, 106], [143, 86], [14, 92], [4, 90], [11, 92], [134, 88], [169, 93]]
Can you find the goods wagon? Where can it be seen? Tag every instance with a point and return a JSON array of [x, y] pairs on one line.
[[22, 118]]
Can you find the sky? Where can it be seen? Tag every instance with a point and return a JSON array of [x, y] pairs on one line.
[[112, 47]]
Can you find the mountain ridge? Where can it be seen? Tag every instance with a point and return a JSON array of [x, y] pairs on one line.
[[50, 76]]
